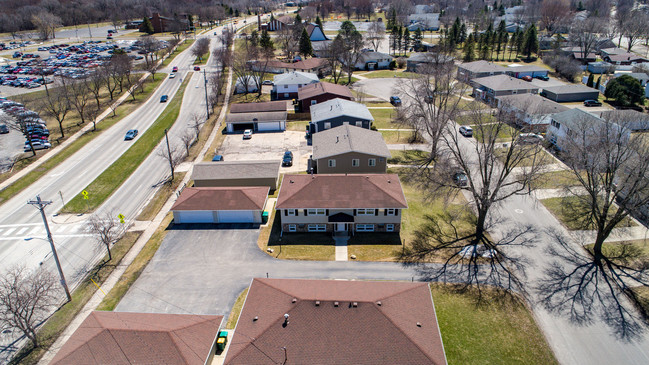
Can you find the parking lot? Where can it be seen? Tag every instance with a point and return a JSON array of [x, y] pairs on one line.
[[268, 146], [11, 144]]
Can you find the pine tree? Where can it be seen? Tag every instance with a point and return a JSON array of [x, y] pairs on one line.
[[416, 39], [298, 19], [599, 80], [319, 22], [462, 37], [399, 38], [254, 39], [393, 34], [406, 40], [531, 43], [484, 52], [146, 26], [468, 50], [505, 41], [591, 80], [190, 21], [266, 43], [305, 44], [580, 7]]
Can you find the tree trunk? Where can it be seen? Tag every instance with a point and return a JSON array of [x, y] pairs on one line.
[[110, 256], [61, 128], [479, 227]]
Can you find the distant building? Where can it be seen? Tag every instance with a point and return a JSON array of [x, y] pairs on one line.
[[163, 24], [532, 113], [488, 89]]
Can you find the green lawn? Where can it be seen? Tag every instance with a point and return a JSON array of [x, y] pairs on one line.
[[383, 119], [123, 110], [536, 155], [236, 310], [375, 247], [471, 119], [398, 137], [381, 74], [569, 212], [407, 157], [299, 126], [495, 332], [109, 180], [504, 133], [342, 80], [464, 104], [556, 179]]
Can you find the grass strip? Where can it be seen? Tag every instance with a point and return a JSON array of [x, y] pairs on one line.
[[572, 212], [136, 267], [160, 198], [115, 175], [123, 110], [57, 323], [236, 310]]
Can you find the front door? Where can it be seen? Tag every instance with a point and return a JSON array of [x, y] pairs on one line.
[[340, 227]]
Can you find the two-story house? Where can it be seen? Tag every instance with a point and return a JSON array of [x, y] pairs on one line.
[[286, 85], [321, 92], [349, 149], [336, 112], [341, 203], [575, 123]]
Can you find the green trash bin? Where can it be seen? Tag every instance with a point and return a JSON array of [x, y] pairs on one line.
[[222, 340], [264, 216]]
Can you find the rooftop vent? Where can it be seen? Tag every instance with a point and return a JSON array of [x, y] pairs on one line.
[[418, 324], [291, 181], [294, 300], [335, 304], [355, 304], [378, 303], [255, 319], [317, 303]]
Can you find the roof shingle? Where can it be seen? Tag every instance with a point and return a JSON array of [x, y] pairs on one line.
[[337, 107], [322, 87], [222, 198], [346, 138]]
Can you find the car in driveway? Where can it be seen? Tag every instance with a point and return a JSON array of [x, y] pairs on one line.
[[466, 131], [592, 103], [542, 77], [164, 98], [267, 82], [395, 100], [217, 158], [287, 160], [131, 134], [247, 134], [527, 78], [38, 145]]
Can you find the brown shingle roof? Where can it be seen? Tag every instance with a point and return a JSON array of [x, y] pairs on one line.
[[324, 87], [140, 338], [266, 106], [391, 323], [324, 191], [222, 198], [308, 64]]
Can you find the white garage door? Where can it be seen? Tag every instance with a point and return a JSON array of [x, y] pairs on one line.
[[196, 217], [236, 216], [269, 126]]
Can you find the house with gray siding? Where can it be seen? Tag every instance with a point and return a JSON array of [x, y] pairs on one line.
[[531, 112], [349, 149], [566, 125], [341, 203], [336, 112], [488, 89]]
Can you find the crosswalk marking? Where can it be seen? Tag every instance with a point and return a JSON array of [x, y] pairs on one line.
[[22, 230], [9, 231]]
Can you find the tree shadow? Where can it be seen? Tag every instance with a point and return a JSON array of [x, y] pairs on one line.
[[470, 263], [586, 288]]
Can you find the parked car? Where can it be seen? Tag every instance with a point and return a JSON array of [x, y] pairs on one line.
[[287, 160], [217, 158], [164, 98], [592, 103], [196, 68], [395, 100], [267, 82], [4, 129], [175, 69], [542, 77], [466, 131], [460, 179], [38, 145], [526, 78], [247, 134], [529, 138], [130, 134]]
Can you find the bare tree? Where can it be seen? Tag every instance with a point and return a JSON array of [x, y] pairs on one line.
[[553, 13], [635, 27], [26, 299], [106, 230], [95, 83], [201, 47], [334, 56], [56, 104], [288, 41], [431, 100], [196, 122], [79, 97], [46, 23], [584, 34], [188, 140], [215, 81], [375, 34], [150, 45], [489, 171], [352, 44]]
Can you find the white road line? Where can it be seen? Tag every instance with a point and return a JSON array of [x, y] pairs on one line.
[[9, 231], [19, 225], [22, 230], [35, 231], [21, 238]]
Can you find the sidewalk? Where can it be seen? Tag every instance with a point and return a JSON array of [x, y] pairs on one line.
[[137, 247]]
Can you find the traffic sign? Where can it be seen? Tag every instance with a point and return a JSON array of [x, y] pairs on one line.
[[121, 218], [85, 195]]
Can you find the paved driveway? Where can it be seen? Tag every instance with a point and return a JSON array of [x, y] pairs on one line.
[[268, 146], [202, 269]]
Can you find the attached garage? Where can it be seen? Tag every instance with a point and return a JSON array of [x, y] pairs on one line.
[[237, 173], [221, 205], [258, 122], [570, 93]]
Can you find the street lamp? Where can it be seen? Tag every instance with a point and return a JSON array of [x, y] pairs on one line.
[[40, 205]]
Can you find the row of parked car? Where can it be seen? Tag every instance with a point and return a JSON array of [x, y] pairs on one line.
[[14, 45], [35, 127]]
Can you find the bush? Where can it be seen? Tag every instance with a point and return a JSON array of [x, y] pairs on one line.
[[401, 62], [565, 66], [393, 65]]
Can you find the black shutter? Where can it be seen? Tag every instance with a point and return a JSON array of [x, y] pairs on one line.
[[396, 212], [285, 212], [327, 212], [376, 212], [306, 213], [354, 212], [385, 212]]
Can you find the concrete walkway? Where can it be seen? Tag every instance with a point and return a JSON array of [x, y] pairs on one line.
[[407, 146], [137, 247], [341, 247], [638, 232]]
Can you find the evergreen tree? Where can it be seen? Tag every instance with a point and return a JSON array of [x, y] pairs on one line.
[[305, 44], [599, 80], [484, 52], [416, 39], [266, 43], [393, 36], [591, 80], [580, 7], [501, 10], [406, 40], [454, 34], [298, 19], [462, 37], [531, 43], [468, 50], [505, 42], [254, 39], [318, 21], [519, 42], [146, 26], [399, 38]]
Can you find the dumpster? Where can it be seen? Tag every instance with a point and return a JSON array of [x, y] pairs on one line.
[[221, 340], [264, 216]]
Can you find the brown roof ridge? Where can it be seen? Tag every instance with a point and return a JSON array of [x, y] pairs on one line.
[[389, 192], [400, 328]]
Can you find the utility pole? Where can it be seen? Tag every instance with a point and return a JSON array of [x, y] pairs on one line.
[[171, 162], [207, 105], [40, 205]]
